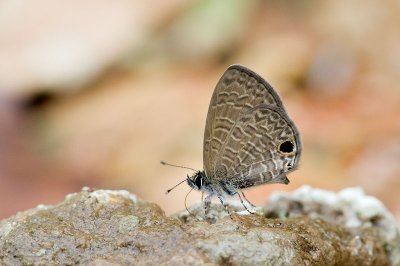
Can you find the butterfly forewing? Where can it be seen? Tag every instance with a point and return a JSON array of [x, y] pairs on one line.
[[246, 124], [238, 90]]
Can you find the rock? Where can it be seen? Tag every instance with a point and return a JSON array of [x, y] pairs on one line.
[[103, 227], [349, 207]]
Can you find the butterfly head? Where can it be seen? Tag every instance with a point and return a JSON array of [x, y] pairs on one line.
[[196, 181]]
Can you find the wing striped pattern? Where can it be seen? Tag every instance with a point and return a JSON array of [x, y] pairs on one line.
[[251, 151], [246, 123], [238, 90]]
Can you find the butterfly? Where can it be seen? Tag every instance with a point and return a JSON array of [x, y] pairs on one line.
[[249, 139]]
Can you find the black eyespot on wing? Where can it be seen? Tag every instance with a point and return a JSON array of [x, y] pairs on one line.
[[286, 147]]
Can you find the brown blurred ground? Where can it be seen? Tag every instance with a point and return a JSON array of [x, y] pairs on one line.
[[98, 93]]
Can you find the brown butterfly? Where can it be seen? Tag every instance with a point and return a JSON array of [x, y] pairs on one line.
[[249, 139]]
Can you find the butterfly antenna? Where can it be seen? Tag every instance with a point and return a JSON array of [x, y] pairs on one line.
[[169, 190], [179, 166]]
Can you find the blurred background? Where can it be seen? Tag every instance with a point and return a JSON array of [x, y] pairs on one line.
[[96, 93]]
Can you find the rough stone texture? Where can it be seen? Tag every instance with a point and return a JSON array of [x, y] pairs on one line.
[[349, 207], [105, 227]]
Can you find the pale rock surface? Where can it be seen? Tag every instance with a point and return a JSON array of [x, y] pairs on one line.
[[104, 227]]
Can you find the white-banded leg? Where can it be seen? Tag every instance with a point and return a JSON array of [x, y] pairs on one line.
[[241, 200], [207, 204], [221, 199], [252, 205]]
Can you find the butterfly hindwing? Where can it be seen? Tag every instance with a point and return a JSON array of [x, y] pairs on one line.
[[253, 153]]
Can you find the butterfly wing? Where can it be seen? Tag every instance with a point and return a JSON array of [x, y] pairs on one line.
[[238, 91], [264, 145]]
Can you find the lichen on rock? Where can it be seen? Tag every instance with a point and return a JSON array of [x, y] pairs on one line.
[[103, 227]]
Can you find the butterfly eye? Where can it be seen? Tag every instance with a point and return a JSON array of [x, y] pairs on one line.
[[198, 181], [286, 147]]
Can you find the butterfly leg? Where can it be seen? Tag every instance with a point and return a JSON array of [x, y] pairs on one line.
[[252, 205], [241, 200], [207, 204], [221, 199]]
